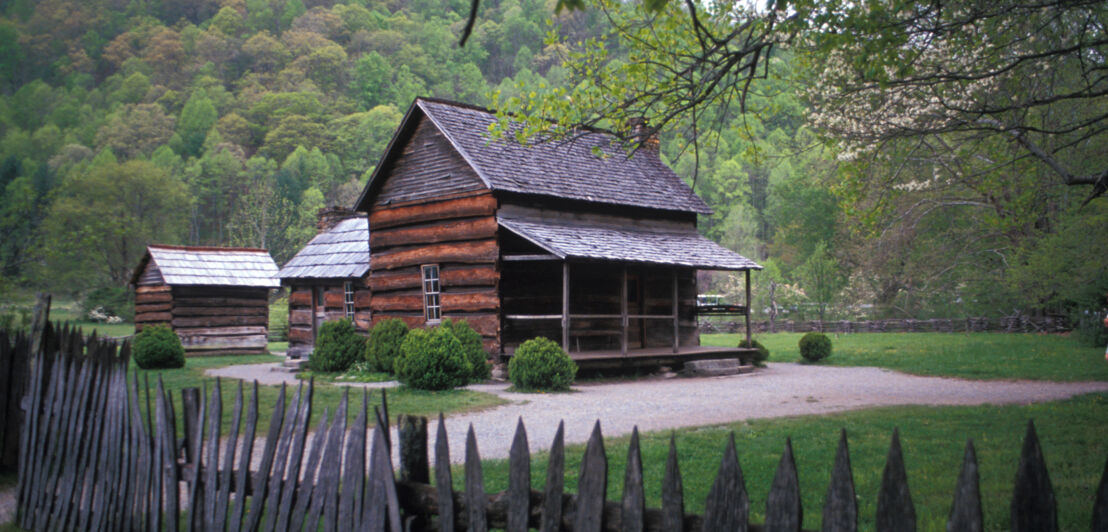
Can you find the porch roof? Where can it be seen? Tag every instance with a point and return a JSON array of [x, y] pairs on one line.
[[580, 239]]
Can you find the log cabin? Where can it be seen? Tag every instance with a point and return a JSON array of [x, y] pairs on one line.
[[215, 299], [576, 241], [327, 279]]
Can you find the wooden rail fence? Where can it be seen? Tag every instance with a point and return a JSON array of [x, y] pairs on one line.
[[100, 452], [1011, 324]]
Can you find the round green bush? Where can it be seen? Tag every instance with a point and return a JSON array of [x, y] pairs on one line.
[[762, 353], [158, 347], [815, 346], [383, 345], [337, 347], [432, 359], [472, 348], [540, 364]]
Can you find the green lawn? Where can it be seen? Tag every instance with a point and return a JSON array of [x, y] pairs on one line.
[[933, 438], [401, 400], [971, 356]]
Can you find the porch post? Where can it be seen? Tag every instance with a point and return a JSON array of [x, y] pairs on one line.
[[676, 320], [565, 306], [747, 307], [623, 312]]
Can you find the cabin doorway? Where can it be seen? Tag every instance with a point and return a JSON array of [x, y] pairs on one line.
[[319, 311]]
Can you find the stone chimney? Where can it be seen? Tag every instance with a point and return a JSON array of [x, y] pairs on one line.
[[643, 134], [331, 216]]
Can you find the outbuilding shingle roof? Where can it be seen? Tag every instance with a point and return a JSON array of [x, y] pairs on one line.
[[182, 265], [341, 252], [592, 167], [627, 243]]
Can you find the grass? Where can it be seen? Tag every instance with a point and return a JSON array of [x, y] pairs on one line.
[[966, 355], [933, 440], [402, 400]]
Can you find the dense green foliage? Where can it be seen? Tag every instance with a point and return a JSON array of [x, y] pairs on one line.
[[540, 364], [158, 347], [232, 122], [814, 346], [472, 348], [762, 353], [337, 346], [383, 345], [432, 359]]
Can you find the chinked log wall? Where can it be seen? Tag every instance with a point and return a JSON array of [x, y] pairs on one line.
[[459, 235], [208, 319], [334, 301]]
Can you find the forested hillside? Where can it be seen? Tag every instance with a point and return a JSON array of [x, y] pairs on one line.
[[231, 122]]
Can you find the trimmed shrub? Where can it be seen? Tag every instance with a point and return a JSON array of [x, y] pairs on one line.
[[337, 346], [815, 346], [158, 347], [383, 345], [540, 364], [432, 359], [472, 348], [761, 356]]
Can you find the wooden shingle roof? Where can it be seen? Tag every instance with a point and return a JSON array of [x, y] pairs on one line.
[[623, 240], [566, 170], [339, 253], [185, 265]]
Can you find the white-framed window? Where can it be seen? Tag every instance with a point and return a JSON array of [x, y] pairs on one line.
[[348, 298], [432, 304]]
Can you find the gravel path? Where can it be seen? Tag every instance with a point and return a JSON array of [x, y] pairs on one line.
[[780, 390]]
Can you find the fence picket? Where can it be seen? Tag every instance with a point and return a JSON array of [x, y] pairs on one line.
[[840, 507], [633, 505], [784, 512], [673, 493], [412, 432], [1033, 504], [895, 511], [519, 481], [965, 512], [728, 506], [382, 504], [307, 485], [243, 474], [555, 483], [443, 481], [296, 456], [261, 481], [223, 496], [592, 485], [475, 486], [1100, 507], [277, 476], [353, 476], [193, 514], [329, 477], [211, 478]]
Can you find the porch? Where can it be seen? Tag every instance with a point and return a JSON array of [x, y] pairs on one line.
[[655, 356]]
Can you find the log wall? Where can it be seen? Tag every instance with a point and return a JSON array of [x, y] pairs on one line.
[[301, 337], [457, 233], [208, 319]]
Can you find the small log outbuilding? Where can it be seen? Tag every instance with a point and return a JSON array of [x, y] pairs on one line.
[[327, 279], [574, 241], [215, 299]]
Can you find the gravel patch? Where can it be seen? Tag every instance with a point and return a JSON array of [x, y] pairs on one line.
[[265, 375], [781, 390]]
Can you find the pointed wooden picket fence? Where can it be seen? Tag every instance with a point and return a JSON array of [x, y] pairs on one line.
[[91, 459]]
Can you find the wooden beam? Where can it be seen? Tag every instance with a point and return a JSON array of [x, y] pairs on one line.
[[532, 257], [623, 321], [469, 229], [748, 307], [483, 205], [478, 251], [565, 307], [533, 316], [676, 318]]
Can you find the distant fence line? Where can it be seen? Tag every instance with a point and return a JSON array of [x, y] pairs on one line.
[[1010, 324], [91, 459]]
